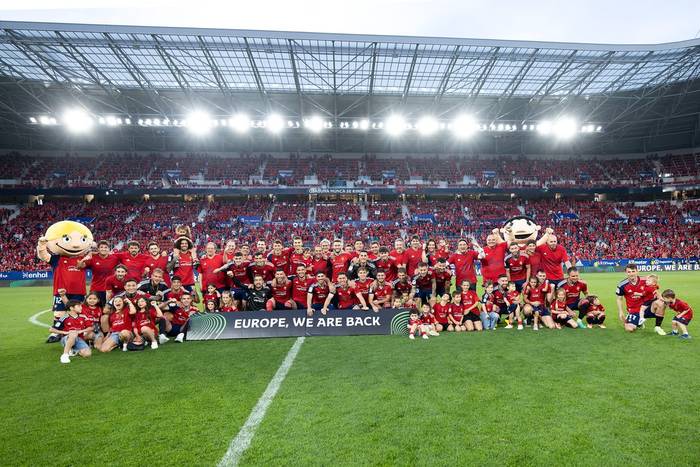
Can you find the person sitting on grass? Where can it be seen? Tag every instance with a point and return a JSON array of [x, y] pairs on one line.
[[428, 321], [489, 315], [120, 317], [563, 315], [147, 314], [684, 313], [535, 294], [177, 325], [415, 324], [470, 308], [441, 311], [512, 299], [73, 327], [456, 314], [595, 316], [92, 310]]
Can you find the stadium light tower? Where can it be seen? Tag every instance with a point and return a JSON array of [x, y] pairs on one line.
[[395, 125], [544, 127], [274, 123], [240, 123], [77, 121], [464, 126], [427, 125], [198, 122]]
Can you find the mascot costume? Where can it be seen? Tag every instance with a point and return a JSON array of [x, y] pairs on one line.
[[522, 229], [62, 246]]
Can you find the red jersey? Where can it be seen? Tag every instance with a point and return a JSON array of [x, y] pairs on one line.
[[184, 268], [513, 297], [633, 293], [492, 264], [551, 261], [399, 258], [67, 275], [381, 292], [300, 287], [346, 297], [339, 263], [228, 309], [463, 264], [296, 260], [320, 265], [423, 282], [457, 312], [650, 292], [389, 267], [116, 286], [363, 288], [440, 253], [517, 266], [428, 318], [680, 306], [206, 270], [536, 294], [119, 321], [558, 306], [134, 264], [281, 292], [210, 296], [441, 311], [573, 291], [75, 323], [595, 308], [145, 319], [414, 322], [469, 298], [413, 257], [401, 287], [241, 273], [319, 293], [280, 261], [101, 269], [267, 271], [158, 262], [499, 296], [535, 262], [93, 313], [180, 315], [443, 279]]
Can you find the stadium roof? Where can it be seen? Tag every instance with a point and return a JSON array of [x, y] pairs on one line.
[[162, 71]]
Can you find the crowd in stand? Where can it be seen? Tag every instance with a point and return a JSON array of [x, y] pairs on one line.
[[113, 170], [594, 230]]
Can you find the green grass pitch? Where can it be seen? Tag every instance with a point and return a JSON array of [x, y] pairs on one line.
[[584, 397]]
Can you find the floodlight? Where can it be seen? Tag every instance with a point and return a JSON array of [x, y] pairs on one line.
[[544, 127], [314, 124], [565, 128], [426, 126], [395, 125], [464, 126], [364, 124], [113, 121], [239, 123], [274, 123], [198, 122], [32, 119], [45, 120], [77, 121]]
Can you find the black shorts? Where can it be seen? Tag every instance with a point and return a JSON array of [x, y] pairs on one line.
[[471, 317], [559, 320]]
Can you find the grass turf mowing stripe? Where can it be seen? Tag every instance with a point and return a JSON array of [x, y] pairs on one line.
[[240, 443]]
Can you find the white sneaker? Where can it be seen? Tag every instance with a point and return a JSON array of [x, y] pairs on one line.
[[180, 337], [72, 353], [535, 327], [509, 326], [124, 349], [425, 336], [163, 339], [65, 358], [434, 333], [641, 321], [411, 336], [154, 345], [659, 331], [520, 327]]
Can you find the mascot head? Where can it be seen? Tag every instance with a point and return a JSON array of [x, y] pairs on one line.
[[68, 238], [520, 229]]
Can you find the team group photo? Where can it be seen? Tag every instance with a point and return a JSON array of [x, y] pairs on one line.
[[387, 233]]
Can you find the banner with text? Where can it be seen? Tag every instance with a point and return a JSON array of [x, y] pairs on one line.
[[295, 323]]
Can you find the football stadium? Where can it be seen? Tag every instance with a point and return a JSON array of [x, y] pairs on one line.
[[229, 246]]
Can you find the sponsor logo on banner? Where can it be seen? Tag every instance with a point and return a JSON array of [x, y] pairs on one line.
[[294, 323]]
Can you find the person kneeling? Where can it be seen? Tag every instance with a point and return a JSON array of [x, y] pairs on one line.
[[177, 325], [73, 327], [563, 316]]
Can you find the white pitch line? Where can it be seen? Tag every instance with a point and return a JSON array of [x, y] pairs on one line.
[[33, 319], [241, 442]]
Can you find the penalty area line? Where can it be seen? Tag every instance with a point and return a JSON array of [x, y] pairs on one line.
[[242, 441], [33, 319]]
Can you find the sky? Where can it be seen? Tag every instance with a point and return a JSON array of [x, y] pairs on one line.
[[593, 21]]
